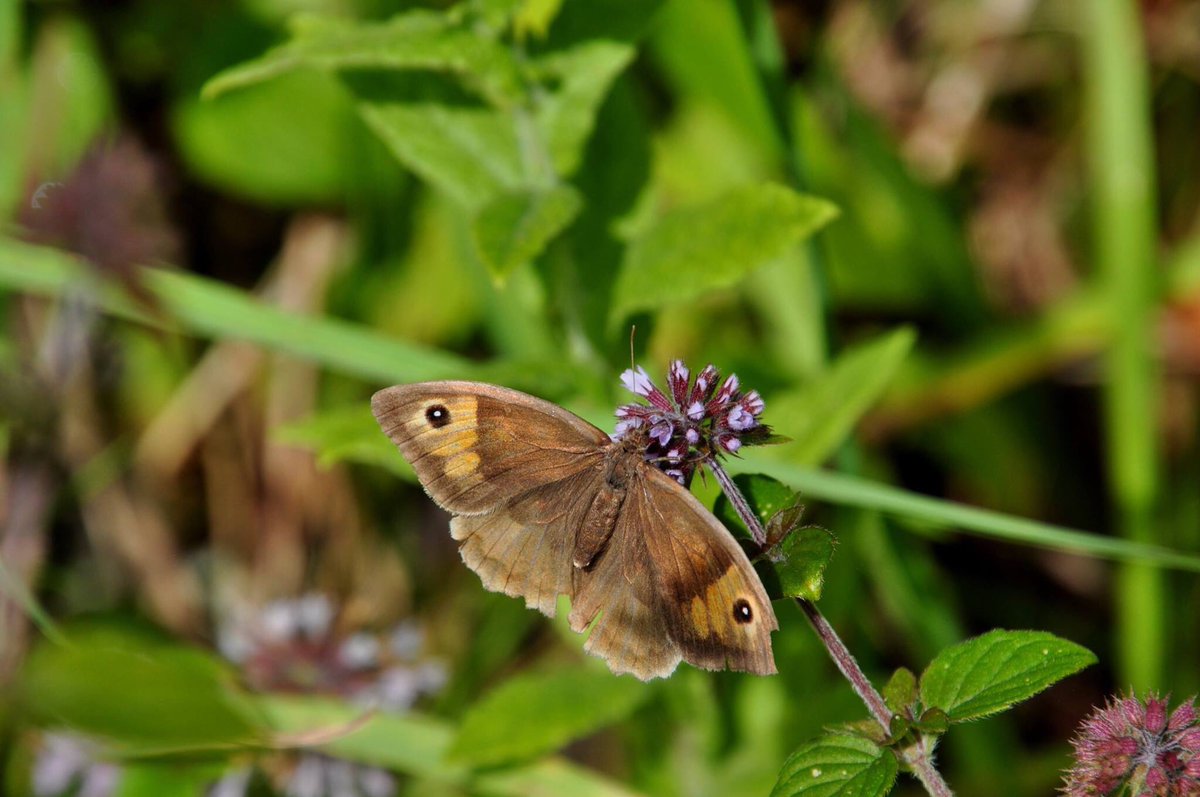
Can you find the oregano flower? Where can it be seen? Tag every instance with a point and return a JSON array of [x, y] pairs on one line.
[[694, 420]]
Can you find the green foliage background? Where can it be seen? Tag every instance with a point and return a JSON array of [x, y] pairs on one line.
[[356, 193]]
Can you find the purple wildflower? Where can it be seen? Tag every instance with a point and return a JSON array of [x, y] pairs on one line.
[[1134, 747], [69, 764], [302, 645], [693, 420]]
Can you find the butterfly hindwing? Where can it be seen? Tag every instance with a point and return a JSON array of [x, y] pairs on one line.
[[673, 584], [524, 548]]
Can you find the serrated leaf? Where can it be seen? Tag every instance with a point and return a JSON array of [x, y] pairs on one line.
[[696, 250], [837, 766], [822, 414], [801, 561], [448, 98], [992, 672], [514, 228], [537, 713], [900, 692], [138, 691], [472, 151], [416, 40]]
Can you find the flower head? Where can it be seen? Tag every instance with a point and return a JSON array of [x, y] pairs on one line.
[[1137, 745], [297, 645], [303, 645], [694, 420]]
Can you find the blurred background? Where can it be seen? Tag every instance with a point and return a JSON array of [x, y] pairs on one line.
[[209, 550]]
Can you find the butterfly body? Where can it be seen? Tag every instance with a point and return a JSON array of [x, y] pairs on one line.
[[545, 504]]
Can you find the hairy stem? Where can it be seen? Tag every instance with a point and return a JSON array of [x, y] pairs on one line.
[[739, 502]]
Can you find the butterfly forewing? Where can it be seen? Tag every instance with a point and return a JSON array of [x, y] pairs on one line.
[[475, 447]]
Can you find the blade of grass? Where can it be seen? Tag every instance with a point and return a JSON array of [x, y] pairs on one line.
[[1117, 118], [210, 309], [19, 594], [854, 491]]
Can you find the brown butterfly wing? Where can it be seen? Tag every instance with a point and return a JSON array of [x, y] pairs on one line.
[[475, 447], [524, 548], [673, 584], [519, 473]]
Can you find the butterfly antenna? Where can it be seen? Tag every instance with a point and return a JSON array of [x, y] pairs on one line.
[[632, 334]]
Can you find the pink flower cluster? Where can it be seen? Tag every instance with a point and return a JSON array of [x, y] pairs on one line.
[[693, 420], [1135, 747]]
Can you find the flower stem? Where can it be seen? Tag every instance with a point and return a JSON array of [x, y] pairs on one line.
[[739, 502], [846, 663], [920, 760]]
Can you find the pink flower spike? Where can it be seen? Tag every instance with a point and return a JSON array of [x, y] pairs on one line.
[[1130, 740]]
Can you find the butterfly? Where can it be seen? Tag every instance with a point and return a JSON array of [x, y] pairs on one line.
[[545, 504]]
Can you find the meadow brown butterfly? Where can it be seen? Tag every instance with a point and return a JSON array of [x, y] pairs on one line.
[[545, 504]]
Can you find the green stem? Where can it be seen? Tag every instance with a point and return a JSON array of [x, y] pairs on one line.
[[1120, 159]]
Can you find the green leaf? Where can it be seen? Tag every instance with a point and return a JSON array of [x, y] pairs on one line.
[[837, 766], [534, 714], [416, 745], [602, 20], [992, 672], [414, 41], [823, 413], [463, 147], [581, 77], [533, 18], [420, 77], [800, 560], [696, 250], [165, 780], [283, 142], [795, 568], [933, 720], [409, 742], [513, 229], [138, 692], [765, 494], [71, 99], [901, 690]]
